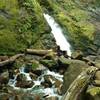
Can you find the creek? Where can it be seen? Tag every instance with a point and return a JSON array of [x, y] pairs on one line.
[[53, 77]]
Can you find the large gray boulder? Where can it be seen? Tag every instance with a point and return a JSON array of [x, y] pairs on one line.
[[74, 69]]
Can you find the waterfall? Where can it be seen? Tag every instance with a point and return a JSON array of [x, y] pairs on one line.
[[58, 34]]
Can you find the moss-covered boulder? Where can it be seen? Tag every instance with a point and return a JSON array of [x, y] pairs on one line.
[[74, 68]]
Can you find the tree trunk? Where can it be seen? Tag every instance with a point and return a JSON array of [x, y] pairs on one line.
[[79, 84], [10, 60], [38, 52]]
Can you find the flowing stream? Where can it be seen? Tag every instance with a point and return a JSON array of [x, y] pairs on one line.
[[58, 34], [37, 87]]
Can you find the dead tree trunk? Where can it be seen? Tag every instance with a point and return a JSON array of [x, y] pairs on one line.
[[38, 52], [79, 84], [10, 60]]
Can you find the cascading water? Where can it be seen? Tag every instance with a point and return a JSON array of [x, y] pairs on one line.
[[37, 88], [58, 34]]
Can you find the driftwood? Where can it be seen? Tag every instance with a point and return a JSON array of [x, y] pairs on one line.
[[38, 52], [10, 60], [79, 84]]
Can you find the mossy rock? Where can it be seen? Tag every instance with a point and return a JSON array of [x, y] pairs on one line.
[[93, 93], [49, 63]]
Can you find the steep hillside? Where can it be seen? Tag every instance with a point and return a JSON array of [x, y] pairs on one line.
[[22, 26], [76, 18]]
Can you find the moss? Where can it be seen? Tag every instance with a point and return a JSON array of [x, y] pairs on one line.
[[21, 25], [49, 63], [35, 65], [94, 91]]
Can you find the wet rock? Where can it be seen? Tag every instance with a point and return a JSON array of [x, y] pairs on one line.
[[33, 76], [4, 77], [22, 81], [38, 71], [34, 67], [16, 71], [74, 69], [50, 80], [21, 77], [46, 84], [52, 98], [58, 83], [59, 89], [25, 84], [77, 55]]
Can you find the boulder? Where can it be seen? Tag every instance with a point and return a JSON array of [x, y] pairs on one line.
[[4, 77], [38, 71], [77, 54], [22, 81], [34, 67], [73, 70], [49, 63]]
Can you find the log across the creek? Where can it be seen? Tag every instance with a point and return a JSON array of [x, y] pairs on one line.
[[38, 52], [10, 60], [79, 84]]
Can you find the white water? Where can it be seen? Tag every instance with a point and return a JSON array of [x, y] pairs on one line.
[[47, 91], [58, 34]]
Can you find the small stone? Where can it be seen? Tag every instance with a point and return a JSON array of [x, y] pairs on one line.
[[4, 77], [33, 76], [46, 84], [52, 98], [16, 71], [97, 75], [59, 89]]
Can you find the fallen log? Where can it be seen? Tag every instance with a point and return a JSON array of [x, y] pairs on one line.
[[79, 84], [38, 52], [10, 60]]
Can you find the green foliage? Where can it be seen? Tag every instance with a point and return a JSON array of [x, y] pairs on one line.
[[79, 15], [75, 23], [21, 25], [35, 65]]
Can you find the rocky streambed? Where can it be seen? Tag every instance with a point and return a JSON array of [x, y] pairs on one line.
[[46, 75], [46, 85]]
